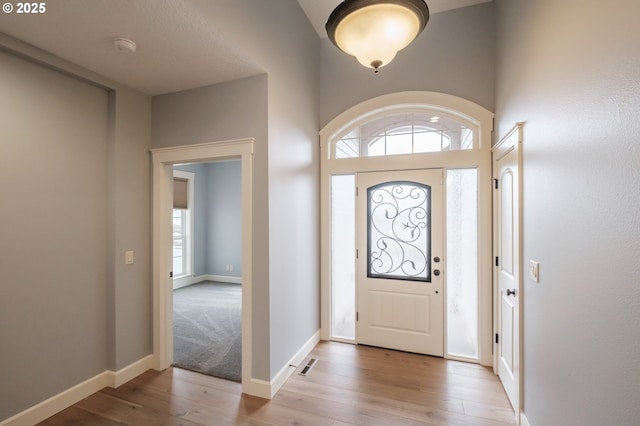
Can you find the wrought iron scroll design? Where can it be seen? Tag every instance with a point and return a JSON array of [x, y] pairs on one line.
[[399, 231]]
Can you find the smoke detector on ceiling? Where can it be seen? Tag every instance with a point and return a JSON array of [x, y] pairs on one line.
[[122, 43]]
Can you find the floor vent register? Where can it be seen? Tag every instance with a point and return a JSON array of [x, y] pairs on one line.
[[308, 367]]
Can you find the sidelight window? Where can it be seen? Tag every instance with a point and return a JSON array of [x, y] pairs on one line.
[[343, 240]]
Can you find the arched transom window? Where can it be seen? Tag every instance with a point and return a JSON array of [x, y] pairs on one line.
[[405, 133]]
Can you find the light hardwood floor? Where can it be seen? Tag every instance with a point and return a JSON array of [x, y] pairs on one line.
[[349, 385]]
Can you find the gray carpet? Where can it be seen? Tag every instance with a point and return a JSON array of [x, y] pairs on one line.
[[207, 329]]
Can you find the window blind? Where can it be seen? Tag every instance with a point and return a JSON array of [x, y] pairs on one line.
[[180, 198]]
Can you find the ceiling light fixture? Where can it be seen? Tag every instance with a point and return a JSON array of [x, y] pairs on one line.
[[375, 30]]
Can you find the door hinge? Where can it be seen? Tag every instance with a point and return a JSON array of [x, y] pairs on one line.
[[495, 183], [356, 191], [497, 261], [171, 274], [357, 254], [497, 338], [357, 316]]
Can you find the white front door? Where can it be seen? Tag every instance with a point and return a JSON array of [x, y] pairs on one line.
[[508, 272], [400, 263]]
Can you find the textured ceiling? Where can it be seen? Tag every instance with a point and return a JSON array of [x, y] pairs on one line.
[[177, 49]]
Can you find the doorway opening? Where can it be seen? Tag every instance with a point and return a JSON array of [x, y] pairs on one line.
[[207, 274], [405, 134], [164, 160]]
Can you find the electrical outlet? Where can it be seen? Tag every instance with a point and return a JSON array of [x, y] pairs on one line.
[[534, 271], [128, 257]]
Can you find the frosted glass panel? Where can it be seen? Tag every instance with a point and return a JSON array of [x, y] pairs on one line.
[[462, 263], [343, 262]]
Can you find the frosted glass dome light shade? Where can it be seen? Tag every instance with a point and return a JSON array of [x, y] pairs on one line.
[[375, 30]]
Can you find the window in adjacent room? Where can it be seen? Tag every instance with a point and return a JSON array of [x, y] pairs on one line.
[[182, 223]]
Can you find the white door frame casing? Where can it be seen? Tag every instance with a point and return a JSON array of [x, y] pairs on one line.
[[479, 158], [512, 141], [163, 160]]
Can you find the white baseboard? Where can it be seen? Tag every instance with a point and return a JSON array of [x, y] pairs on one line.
[[523, 420], [257, 387], [122, 376], [114, 379], [268, 390], [287, 370], [191, 280], [59, 402], [185, 281], [223, 279]]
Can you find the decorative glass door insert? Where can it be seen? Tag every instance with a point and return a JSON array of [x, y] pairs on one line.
[[399, 231]]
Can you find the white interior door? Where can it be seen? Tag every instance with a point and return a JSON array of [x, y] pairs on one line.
[[399, 267], [508, 273]]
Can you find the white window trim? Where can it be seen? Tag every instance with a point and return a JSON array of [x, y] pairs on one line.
[[479, 157], [189, 250]]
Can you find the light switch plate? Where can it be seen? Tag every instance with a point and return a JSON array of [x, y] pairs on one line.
[[534, 271], [128, 257]]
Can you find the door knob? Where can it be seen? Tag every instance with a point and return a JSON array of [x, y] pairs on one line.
[[511, 292], [436, 272]]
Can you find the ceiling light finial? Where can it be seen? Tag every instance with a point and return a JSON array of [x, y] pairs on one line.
[[375, 30]]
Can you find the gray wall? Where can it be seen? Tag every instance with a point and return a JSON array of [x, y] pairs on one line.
[[233, 110], [74, 157], [130, 210], [53, 232], [455, 55], [225, 225], [217, 218], [573, 74], [286, 270]]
